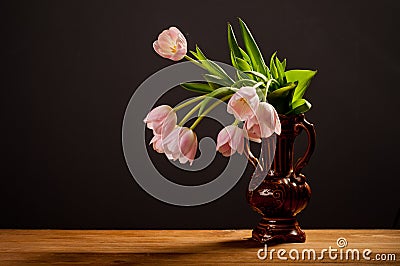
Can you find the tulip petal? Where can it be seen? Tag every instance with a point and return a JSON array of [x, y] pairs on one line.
[[244, 103]]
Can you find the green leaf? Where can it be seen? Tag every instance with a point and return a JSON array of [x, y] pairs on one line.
[[197, 87], [233, 60], [241, 75], [281, 93], [243, 65], [284, 64], [272, 67], [281, 71], [223, 91], [217, 80], [257, 74], [252, 49], [303, 77], [233, 46], [245, 56], [244, 82], [260, 93], [281, 98], [214, 85], [300, 106], [212, 67]]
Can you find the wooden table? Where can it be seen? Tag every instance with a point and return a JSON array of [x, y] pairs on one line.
[[183, 247]]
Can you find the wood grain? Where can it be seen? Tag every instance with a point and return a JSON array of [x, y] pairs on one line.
[[177, 247]]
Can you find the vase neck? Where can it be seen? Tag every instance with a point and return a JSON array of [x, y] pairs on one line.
[[284, 153]]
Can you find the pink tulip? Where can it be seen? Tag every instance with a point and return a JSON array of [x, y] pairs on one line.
[[157, 143], [264, 123], [171, 44], [188, 145], [181, 144], [162, 120], [244, 103], [230, 140]]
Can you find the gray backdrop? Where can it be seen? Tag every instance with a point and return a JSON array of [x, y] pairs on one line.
[[69, 69]]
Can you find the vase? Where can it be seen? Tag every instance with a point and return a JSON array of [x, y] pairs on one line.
[[283, 192]]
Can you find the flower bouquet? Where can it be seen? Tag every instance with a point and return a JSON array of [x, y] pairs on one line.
[[268, 105], [255, 97]]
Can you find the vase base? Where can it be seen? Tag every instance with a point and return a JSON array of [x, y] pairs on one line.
[[278, 230]]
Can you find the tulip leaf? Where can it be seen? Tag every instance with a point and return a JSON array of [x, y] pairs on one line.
[[223, 91], [233, 60], [257, 74], [299, 106], [211, 67], [272, 67], [245, 56], [260, 93], [233, 46], [214, 85], [252, 49], [197, 87], [282, 92], [284, 64], [217, 80], [303, 77], [243, 65], [241, 75], [240, 65], [281, 98], [244, 82], [281, 71]]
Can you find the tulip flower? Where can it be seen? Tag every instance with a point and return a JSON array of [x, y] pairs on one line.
[[187, 145], [180, 144], [157, 143], [171, 44], [162, 120], [244, 103], [264, 123], [230, 140]]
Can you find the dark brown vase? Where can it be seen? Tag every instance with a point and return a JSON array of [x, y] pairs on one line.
[[284, 191]]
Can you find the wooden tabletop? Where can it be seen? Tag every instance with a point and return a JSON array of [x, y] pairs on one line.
[[190, 247]]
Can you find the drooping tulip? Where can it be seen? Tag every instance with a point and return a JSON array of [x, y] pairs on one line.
[[162, 120], [264, 123], [157, 143], [244, 103], [171, 44], [230, 140], [180, 144], [187, 145]]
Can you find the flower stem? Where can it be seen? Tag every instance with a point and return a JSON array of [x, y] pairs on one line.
[[209, 110], [194, 61], [178, 107], [267, 88], [187, 116], [253, 160]]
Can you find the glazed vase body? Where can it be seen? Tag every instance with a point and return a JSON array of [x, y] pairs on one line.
[[284, 192]]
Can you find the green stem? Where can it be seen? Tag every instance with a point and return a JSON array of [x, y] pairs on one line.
[[269, 82], [194, 61], [209, 110], [236, 122], [187, 116], [265, 95], [177, 108]]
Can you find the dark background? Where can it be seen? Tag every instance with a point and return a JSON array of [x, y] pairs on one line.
[[69, 69]]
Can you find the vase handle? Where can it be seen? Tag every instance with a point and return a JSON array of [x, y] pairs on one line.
[[302, 161]]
